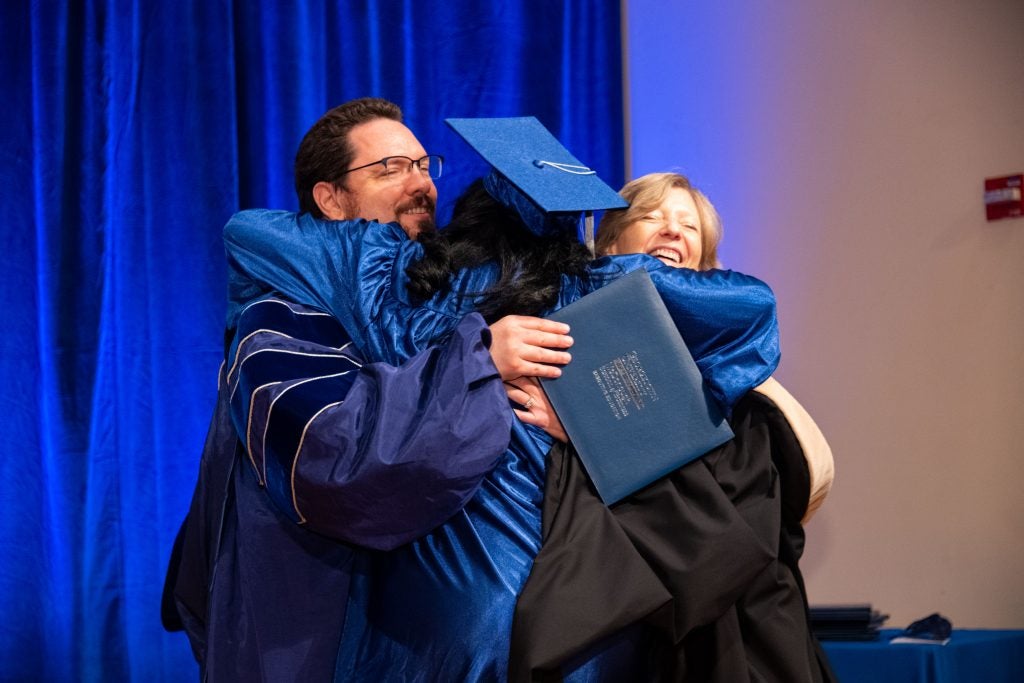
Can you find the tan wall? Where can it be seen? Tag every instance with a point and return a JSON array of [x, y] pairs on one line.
[[846, 145]]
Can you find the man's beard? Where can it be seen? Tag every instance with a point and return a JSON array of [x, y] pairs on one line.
[[426, 226], [424, 222]]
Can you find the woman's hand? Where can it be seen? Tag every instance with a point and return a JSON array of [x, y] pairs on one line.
[[537, 410], [525, 346]]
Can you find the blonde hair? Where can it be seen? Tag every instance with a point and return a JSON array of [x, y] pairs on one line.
[[644, 195]]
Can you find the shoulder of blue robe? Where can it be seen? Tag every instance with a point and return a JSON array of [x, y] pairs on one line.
[[370, 454], [283, 252], [353, 269], [727, 319]]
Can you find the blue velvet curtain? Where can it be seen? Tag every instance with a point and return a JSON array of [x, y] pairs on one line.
[[131, 131]]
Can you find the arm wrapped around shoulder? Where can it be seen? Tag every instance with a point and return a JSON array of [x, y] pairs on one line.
[[728, 322]]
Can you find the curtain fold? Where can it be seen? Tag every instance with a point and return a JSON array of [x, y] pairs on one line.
[[132, 131]]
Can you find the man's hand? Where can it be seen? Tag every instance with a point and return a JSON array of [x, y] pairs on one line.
[[522, 345], [537, 410]]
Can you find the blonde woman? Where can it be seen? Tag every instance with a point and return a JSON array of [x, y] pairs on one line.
[[674, 222], [670, 219]]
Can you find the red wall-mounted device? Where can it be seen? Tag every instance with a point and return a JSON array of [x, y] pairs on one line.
[[1003, 197]]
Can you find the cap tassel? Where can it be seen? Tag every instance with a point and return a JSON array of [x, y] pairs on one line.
[[588, 231], [575, 169]]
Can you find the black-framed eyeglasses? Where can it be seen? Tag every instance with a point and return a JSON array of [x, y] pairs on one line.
[[398, 167]]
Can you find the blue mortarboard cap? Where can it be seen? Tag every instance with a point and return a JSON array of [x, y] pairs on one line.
[[530, 164]]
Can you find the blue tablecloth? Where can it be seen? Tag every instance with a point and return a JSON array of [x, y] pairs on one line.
[[985, 656]]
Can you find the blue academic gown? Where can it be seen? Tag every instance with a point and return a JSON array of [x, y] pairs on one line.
[[441, 606], [313, 457]]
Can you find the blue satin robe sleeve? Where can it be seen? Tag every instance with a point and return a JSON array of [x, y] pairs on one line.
[[727, 319], [729, 323], [352, 269], [371, 454]]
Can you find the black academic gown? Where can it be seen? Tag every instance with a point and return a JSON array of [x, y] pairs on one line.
[[702, 563]]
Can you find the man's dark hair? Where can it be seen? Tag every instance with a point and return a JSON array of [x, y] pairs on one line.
[[484, 231], [325, 150]]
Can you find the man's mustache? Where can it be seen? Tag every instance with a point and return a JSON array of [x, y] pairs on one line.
[[420, 202]]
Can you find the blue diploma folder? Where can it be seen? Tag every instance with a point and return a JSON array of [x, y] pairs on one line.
[[632, 400]]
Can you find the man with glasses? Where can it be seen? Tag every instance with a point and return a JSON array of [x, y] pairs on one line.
[[312, 455], [387, 177]]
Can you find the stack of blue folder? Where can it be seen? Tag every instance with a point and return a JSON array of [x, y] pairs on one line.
[[846, 622]]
